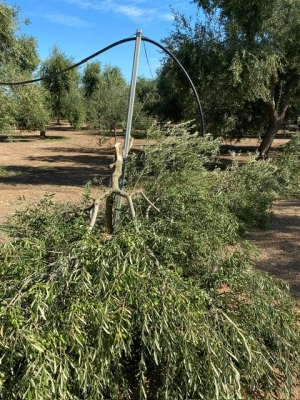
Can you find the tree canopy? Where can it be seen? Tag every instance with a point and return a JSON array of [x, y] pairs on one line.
[[106, 94], [60, 85], [17, 51], [244, 59], [22, 106]]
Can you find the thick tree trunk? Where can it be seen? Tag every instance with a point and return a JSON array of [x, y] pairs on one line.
[[273, 125], [42, 134], [268, 138], [281, 87]]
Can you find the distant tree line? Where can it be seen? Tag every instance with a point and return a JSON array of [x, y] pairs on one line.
[[98, 96]]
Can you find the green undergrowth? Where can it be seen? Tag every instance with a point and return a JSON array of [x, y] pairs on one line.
[[173, 311], [288, 168]]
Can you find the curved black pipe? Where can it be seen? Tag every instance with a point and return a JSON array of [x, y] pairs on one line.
[[71, 67], [186, 75], [108, 48]]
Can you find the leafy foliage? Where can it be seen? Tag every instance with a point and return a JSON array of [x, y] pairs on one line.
[[33, 111], [173, 311], [106, 94], [288, 168], [60, 85], [75, 108], [145, 106], [17, 51], [7, 110], [244, 61], [24, 106], [246, 193]]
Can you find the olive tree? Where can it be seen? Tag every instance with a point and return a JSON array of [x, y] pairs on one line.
[[145, 105], [23, 106], [106, 94], [32, 111], [244, 59], [59, 85]]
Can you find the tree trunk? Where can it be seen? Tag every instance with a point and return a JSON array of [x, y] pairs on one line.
[[115, 133], [267, 141], [269, 136], [42, 134], [281, 87]]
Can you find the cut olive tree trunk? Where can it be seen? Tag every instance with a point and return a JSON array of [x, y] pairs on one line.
[[111, 193]]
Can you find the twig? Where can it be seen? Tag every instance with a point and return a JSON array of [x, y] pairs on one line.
[[151, 204]]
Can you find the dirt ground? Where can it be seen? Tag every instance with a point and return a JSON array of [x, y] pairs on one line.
[[66, 160]]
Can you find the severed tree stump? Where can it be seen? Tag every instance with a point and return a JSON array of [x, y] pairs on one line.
[[117, 166]]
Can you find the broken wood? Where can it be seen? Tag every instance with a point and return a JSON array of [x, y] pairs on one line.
[[117, 166]]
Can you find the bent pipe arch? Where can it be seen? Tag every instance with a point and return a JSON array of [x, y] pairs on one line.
[[71, 67], [185, 74], [108, 48]]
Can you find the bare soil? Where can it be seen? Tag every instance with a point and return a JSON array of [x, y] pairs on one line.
[[280, 245], [59, 165]]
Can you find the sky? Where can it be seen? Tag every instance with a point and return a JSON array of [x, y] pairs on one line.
[[82, 27]]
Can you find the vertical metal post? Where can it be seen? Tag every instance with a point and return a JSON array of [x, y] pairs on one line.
[[132, 92], [129, 115]]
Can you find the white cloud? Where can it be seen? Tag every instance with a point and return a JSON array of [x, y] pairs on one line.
[[137, 10], [168, 17], [67, 20]]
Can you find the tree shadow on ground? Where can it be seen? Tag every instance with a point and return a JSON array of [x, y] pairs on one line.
[[29, 138], [108, 151], [65, 169]]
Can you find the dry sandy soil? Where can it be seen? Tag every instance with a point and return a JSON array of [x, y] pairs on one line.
[[66, 160]]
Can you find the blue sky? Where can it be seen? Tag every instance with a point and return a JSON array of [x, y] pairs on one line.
[[82, 27]]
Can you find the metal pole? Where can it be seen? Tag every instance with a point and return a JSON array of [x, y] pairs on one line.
[[132, 93], [129, 115]]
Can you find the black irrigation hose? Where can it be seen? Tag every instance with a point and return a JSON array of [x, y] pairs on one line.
[[108, 48], [71, 67], [186, 75]]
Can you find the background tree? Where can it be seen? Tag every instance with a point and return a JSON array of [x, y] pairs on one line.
[[175, 102], [246, 68], [75, 108], [18, 60], [32, 111], [17, 51], [106, 94], [145, 105], [91, 79], [58, 86], [7, 110]]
